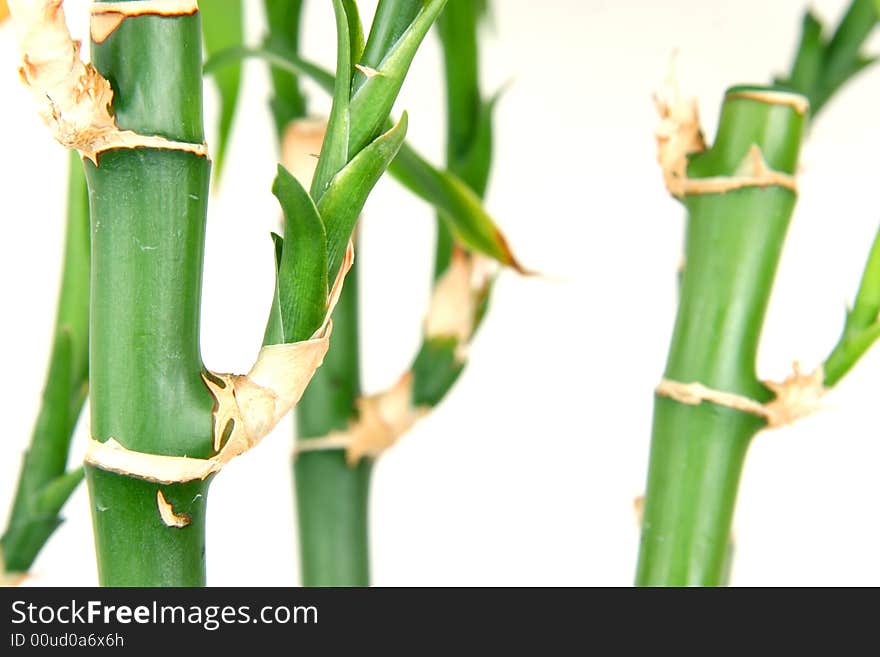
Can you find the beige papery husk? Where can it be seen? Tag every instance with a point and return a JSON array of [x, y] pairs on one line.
[[247, 408], [383, 418], [73, 99]]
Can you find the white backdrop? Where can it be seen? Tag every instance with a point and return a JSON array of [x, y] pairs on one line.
[[527, 473]]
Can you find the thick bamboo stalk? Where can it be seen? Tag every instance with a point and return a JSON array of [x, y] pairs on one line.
[[148, 209], [733, 244]]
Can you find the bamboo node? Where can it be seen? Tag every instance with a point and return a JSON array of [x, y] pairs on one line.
[[382, 420], [797, 102], [247, 406], [797, 396], [678, 134], [73, 98]]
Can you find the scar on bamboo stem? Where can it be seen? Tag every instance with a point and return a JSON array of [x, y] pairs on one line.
[[167, 513]]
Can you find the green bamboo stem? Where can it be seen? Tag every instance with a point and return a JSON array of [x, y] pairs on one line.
[[288, 101], [44, 484], [332, 498], [148, 211], [733, 244], [697, 452]]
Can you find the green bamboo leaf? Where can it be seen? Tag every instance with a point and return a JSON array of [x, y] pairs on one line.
[[457, 203], [222, 28], [372, 102], [274, 333], [355, 31], [806, 72], [277, 59], [390, 21], [302, 271], [839, 58], [862, 325], [335, 151], [474, 164], [442, 189], [345, 196]]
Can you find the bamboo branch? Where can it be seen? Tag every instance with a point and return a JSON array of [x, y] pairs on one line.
[[44, 481]]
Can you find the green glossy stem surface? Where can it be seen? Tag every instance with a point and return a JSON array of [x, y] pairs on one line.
[[148, 211], [732, 250]]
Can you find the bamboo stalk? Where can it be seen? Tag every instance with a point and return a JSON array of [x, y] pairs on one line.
[[44, 483], [148, 229], [733, 244], [732, 248]]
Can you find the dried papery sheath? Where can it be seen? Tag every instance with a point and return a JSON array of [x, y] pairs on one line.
[[457, 296], [247, 406], [382, 420], [301, 146], [774, 97], [753, 171], [797, 396], [678, 135], [73, 98]]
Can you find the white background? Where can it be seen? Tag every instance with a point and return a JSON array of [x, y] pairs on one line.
[[526, 474]]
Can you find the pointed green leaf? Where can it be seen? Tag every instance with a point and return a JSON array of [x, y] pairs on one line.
[[335, 152], [806, 72], [276, 58], [345, 197], [457, 203], [443, 190], [355, 32], [223, 27], [390, 21], [372, 102], [274, 332], [302, 270], [474, 164]]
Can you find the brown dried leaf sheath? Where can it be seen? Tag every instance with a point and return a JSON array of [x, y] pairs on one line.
[[797, 396], [301, 146], [252, 403], [382, 420], [73, 99]]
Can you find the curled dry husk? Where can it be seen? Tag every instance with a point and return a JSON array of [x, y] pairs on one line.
[[248, 406], [797, 396], [73, 98], [679, 135], [383, 418]]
